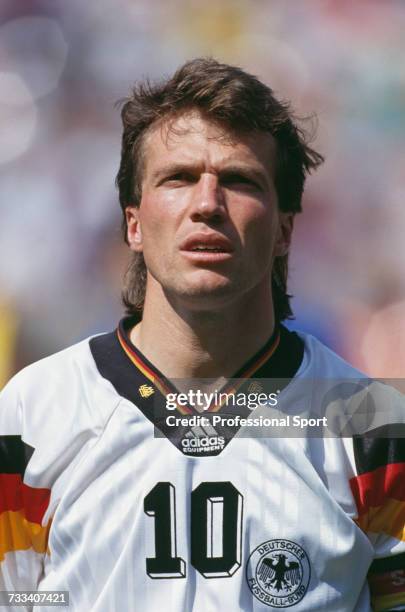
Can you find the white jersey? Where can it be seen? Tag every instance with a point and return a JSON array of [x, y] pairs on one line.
[[94, 503]]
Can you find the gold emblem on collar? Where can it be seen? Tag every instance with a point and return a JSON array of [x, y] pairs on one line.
[[146, 390]]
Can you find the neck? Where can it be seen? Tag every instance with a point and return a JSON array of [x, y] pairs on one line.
[[184, 342]]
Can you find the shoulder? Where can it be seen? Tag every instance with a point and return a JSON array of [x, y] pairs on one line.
[[50, 368], [379, 404], [54, 373], [60, 391], [320, 360], [52, 413]]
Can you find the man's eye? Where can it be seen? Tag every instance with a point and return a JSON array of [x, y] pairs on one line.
[[180, 177], [239, 180]]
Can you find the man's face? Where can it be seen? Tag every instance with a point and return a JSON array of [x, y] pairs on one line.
[[208, 223]]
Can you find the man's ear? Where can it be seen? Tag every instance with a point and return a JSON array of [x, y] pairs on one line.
[[285, 228], [134, 232]]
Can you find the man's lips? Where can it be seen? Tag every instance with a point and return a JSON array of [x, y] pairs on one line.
[[202, 248], [202, 243]]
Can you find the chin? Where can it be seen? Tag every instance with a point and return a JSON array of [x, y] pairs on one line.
[[207, 283], [207, 296]]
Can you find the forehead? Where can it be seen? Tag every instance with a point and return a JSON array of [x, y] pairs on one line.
[[193, 138]]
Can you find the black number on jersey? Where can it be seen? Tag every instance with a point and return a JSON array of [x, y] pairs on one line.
[[161, 503], [216, 530]]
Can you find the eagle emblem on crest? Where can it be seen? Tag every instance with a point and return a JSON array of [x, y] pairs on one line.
[[282, 574]]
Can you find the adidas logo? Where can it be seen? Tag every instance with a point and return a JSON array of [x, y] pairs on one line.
[[203, 444]]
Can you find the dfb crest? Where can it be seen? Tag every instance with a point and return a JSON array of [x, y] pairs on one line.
[[278, 573]]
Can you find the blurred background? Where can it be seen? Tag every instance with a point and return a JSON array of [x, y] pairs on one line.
[[62, 67]]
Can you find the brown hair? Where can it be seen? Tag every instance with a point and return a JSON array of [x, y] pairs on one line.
[[238, 101]]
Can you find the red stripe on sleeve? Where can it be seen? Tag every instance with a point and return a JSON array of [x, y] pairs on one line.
[[387, 583], [36, 501], [373, 488], [16, 495], [10, 492]]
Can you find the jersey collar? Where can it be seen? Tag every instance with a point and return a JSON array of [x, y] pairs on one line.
[[136, 379], [251, 368]]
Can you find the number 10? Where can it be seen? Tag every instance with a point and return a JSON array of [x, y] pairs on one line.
[[216, 530]]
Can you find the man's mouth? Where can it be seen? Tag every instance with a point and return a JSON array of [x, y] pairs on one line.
[[204, 248], [209, 249], [202, 242]]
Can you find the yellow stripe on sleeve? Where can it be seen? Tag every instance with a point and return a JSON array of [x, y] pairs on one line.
[[16, 533]]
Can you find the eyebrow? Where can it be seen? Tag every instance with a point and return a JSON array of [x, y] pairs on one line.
[[174, 168], [254, 173]]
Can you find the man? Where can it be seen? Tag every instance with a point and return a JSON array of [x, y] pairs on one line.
[[110, 490]]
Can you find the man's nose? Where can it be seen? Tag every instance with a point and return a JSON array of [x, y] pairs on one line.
[[208, 199]]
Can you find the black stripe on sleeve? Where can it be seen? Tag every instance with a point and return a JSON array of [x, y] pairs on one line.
[[379, 447], [14, 455], [388, 564]]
